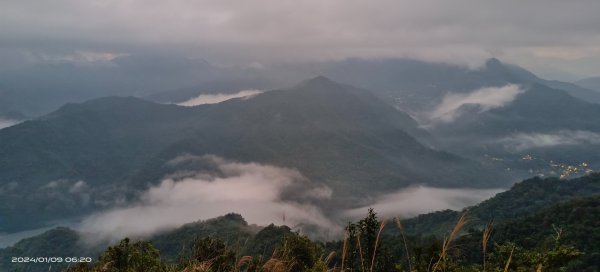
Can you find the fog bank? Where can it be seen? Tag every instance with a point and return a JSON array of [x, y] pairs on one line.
[[417, 200], [486, 98], [524, 141], [250, 189], [217, 98]]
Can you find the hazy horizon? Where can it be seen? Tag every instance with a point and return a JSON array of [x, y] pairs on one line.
[[555, 39]]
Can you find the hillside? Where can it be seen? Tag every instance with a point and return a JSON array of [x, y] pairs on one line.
[[230, 228], [538, 109], [89, 156], [523, 199], [566, 232], [568, 210], [543, 131], [575, 220], [173, 244]]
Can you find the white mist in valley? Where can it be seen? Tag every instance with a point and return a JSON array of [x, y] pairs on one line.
[[524, 141], [412, 201], [250, 189], [262, 194], [218, 98], [487, 98]]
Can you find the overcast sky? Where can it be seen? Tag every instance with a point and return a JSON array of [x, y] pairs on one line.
[[561, 37]]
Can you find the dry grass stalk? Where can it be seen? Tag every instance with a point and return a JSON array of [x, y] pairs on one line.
[[381, 226], [539, 268], [509, 260], [429, 265], [199, 267], [448, 241], [275, 265], [487, 232], [344, 249], [245, 260], [401, 228], [362, 259], [329, 258]]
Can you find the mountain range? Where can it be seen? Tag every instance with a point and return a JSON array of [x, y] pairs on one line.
[[413, 85], [417, 86], [93, 155], [407, 123]]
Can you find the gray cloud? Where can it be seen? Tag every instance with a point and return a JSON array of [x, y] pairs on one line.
[[421, 199], [264, 31], [253, 190]]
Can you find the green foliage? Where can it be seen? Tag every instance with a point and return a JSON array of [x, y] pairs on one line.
[[231, 229], [213, 253], [364, 250], [125, 256], [523, 199], [266, 241], [300, 252], [551, 259], [574, 223], [135, 257]]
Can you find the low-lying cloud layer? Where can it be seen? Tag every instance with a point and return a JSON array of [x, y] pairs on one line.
[[205, 187], [524, 141], [486, 98], [252, 190], [421, 199], [217, 98]]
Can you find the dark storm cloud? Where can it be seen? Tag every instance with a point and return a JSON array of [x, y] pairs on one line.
[[538, 32]]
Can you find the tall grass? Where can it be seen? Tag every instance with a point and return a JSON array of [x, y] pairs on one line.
[[401, 228], [487, 233], [344, 250], [448, 242], [509, 260], [381, 226], [362, 258]]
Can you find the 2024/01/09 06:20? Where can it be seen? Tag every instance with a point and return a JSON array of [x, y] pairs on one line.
[[51, 259]]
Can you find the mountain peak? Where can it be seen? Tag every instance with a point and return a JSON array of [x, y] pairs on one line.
[[493, 63], [319, 81]]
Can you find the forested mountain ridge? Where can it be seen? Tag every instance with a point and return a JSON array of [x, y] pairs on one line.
[[91, 155], [523, 199]]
